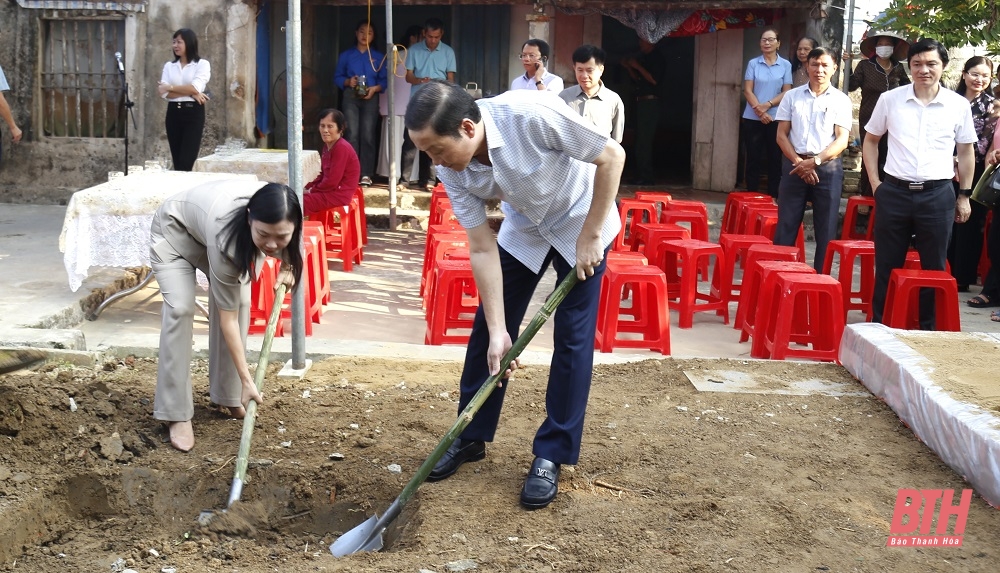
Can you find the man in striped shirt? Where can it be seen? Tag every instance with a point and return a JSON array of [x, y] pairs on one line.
[[558, 178]]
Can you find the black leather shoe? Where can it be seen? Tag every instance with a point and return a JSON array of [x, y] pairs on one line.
[[541, 485], [461, 451]]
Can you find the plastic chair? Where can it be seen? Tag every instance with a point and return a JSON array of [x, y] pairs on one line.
[[453, 301], [631, 212], [688, 256], [649, 309], [854, 204], [902, 306], [808, 305], [753, 282], [343, 234], [851, 252]]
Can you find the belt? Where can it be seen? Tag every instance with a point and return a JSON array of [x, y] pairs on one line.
[[183, 104], [916, 185], [645, 97]]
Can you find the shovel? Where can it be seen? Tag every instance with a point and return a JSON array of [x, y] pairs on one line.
[[368, 535], [13, 359], [242, 458]]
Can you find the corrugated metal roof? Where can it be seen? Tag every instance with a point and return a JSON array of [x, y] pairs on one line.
[[126, 6]]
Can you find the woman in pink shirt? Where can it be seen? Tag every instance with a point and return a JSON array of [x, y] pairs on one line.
[[338, 179]]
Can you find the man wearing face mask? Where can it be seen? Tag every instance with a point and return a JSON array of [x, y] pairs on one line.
[[534, 56]]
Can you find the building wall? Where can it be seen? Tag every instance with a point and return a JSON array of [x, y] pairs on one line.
[[49, 169]]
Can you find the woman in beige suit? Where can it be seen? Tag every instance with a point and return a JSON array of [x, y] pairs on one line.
[[225, 229]]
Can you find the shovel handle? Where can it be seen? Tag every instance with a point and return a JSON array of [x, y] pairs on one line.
[[243, 457], [465, 417]]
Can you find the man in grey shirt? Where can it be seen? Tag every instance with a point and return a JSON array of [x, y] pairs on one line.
[[590, 97], [558, 178]]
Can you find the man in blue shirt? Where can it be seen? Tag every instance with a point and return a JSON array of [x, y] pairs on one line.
[[429, 60], [15, 132], [361, 73], [558, 178]]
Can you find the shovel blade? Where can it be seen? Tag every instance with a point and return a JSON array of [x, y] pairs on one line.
[[364, 537]]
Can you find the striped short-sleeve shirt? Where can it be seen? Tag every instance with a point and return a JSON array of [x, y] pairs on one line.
[[542, 169]]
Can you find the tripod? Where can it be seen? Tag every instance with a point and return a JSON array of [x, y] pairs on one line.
[[129, 104]]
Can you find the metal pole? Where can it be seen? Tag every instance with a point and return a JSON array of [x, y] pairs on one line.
[[848, 45], [390, 63], [293, 47]]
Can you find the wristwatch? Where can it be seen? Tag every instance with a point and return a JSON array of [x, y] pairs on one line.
[[965, 192], [538, 82], [817, 160]]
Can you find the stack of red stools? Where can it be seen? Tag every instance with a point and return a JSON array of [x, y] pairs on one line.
[[649, 310], [850, 231], [316, 271], [452, 302], [448, 231], [262, 298], [902, 307], [851, 252], [734, 203], [756, 256], [359, 194], [761, 271], [687, 256], [659, 198], [344, 238], [799, 307]]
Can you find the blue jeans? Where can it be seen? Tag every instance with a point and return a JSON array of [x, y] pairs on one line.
[[362, 129], [793, 193], [558, 439]]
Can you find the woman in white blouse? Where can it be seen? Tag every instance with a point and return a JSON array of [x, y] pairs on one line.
[[183, 85]]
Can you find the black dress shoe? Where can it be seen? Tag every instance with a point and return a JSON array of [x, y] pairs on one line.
[[461, 451], [541, 485]]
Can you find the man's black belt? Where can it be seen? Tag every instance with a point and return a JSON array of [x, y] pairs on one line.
[[915, 185]]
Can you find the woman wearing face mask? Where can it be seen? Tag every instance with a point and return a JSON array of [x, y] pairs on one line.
[[800, 69], [876, 75], [966, 244]]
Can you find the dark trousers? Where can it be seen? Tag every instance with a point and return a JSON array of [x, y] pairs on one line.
[[409, 154], [185, 124], [361, 116], [648, 112], [558, 439], [991, 283], [825, 196], [927, 216], [864, 185], [763, 155], [966, 244]]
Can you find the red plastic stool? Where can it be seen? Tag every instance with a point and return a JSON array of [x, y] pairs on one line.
[[697, 220], [801, 307], [262, 298], [850, 231], [862, 252], [455, 238], [659, 198], [438, 208], [359, 193], [645, 235], [753, 279], [735, 249], [631, 212], [316, 273], [763, 283], [688, 256], [902, 307], [913, 261], [744, 223], [315, 229], [445, 251], [453, 302], [734, 201], [343, 234], [686, 205], [649, 301]]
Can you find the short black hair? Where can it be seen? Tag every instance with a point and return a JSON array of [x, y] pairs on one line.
[[542, 45], [441, 106], [433, 24], [584, 53], [927, 45], [336, 115], [190, 44], [821, 51]]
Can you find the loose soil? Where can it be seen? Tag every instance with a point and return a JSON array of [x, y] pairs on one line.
[[972, 379], [670, 479]]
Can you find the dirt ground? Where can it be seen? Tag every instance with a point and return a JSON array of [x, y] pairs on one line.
[[670, 479]]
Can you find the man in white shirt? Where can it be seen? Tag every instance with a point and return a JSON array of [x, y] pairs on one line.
[[5, 113], [916, 199], [558, 178], [814, 124], [590, 97], [534, 58]]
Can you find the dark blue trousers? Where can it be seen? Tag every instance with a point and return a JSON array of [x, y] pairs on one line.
[[558, 439], [900, 214], [793, 193]]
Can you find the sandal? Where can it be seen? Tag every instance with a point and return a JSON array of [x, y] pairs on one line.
[[981, 301], [995, 316]]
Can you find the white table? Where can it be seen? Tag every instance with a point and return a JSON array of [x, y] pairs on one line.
[[267, 164], [108, 225]]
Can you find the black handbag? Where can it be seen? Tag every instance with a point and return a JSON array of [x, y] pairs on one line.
[[987, 191]]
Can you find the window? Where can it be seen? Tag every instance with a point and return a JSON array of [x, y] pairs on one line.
[[82, 90]]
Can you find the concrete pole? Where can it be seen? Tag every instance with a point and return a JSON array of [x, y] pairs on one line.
[[293, 46], [390, 53]]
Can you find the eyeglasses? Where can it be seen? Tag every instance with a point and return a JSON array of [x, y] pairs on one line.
[[978, 76], [529, 57], [768, 40]]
